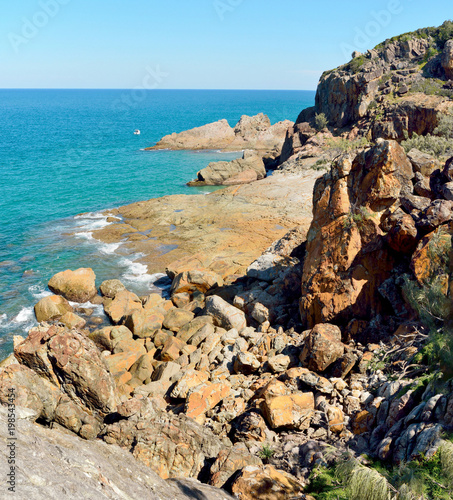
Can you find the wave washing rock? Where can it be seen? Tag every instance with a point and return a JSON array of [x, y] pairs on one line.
[[251, 132]]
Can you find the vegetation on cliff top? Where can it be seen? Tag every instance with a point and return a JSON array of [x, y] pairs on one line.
[[439, 35]]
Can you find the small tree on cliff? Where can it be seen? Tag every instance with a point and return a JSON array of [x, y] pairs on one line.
[[321, 122], [431, 301]]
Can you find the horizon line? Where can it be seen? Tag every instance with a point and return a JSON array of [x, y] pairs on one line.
[[153, 90]]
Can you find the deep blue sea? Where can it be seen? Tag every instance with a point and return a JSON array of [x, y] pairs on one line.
[[66, 152]]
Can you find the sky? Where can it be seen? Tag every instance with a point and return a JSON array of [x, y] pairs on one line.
[[195, 44]]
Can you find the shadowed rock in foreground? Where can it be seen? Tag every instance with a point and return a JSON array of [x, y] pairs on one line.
[[53, 464]]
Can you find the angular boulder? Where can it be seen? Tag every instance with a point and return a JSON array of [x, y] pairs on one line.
[[110, 288], [200, 280], [232, 172], [122, 306], [322, 347], [70, 360], [225, 315], [266, 483], [205, 397]]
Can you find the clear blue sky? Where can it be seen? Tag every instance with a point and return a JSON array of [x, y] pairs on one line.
[[226, 44]]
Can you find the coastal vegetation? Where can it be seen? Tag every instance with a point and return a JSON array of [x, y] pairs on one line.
[[367, 479], [438, 144]]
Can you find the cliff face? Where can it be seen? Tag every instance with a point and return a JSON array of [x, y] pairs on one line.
[[345, 94], [396, 89]]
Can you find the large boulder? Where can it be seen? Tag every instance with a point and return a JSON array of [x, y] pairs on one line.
[[230, 461], [200, 280], [232, 172], [121, 308], [61, 465], [447, 59], [293, 410], [347, 259], [322, 347], [204, 397], [29, 391], [266, 483], [211, 136], [225, 315], [172, 445], [77, 286], [251, 132], [110, 288], [51, 307], [72, 361], [423, 162]]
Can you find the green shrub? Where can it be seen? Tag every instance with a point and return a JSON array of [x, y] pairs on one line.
[[420, 479], [430, 86], [343, 145], [434, 308], [266, 453], [321, 121], [320, 165], [439, 144], [356, 64], [437, 35]]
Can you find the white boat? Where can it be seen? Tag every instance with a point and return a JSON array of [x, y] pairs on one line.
[[137, 132]]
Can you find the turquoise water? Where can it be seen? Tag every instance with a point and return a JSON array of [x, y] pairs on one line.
[[64, 152]]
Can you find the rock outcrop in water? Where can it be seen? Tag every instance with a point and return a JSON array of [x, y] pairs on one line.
[[251, 132], [244, 170]]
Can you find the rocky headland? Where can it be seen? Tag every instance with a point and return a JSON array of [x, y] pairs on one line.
[[308, 323]]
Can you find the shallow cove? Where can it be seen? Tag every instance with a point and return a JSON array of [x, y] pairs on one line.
[[64, 152]]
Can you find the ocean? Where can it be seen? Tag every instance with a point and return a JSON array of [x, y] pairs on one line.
[[69, 152]]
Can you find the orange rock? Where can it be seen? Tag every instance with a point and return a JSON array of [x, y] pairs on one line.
[[196, 279], [122, 306], [51, 307], [152, 301], [322, 347], [425, 259], [294, 410], [365, 361], [265, 483], [172, 349], [175, 319], [335, 418], [145, 323], [71, 320], [190, 379], [340, 281], [270, 388], [205, 398], [77, 286], [362, 422], [121, 362]]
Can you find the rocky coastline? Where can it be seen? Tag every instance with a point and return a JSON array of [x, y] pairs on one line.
[[295, 335]]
